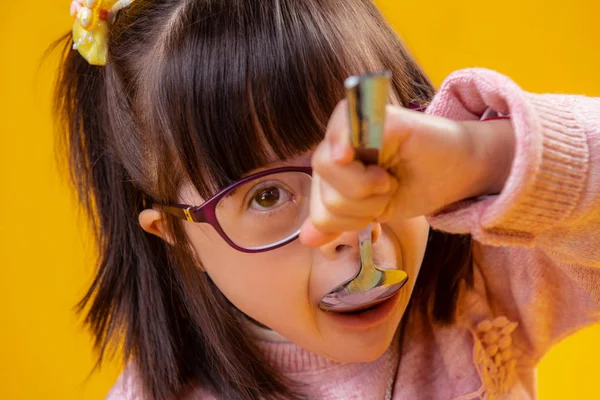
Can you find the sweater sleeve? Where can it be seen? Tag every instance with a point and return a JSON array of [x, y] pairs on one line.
[[537, 243]]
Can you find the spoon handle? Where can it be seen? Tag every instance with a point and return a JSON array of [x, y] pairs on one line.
[[367, 96]]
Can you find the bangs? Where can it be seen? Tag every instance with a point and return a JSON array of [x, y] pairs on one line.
[[243, 84]]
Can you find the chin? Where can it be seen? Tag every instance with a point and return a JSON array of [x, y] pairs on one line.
[[359, 347]]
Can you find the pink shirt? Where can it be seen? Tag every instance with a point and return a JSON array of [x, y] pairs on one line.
[[536, 258]]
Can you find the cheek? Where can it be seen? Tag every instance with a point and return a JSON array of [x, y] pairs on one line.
[[271, 287], [412, 235]]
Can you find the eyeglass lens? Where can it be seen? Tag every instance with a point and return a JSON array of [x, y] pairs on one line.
[[265, 211]]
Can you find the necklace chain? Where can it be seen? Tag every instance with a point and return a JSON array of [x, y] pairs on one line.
[[394, 358], [393, 364]]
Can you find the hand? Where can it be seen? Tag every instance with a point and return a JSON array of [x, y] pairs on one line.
[[427, 163]]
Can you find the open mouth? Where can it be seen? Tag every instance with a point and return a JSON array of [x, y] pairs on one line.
[[364, 316], [350, 297], [360, 309], [344, 302]]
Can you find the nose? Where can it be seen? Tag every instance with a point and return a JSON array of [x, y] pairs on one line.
[[348, 242]]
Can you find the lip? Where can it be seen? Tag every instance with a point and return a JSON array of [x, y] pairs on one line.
[[368, 319]]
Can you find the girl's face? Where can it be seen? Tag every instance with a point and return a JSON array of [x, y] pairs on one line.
[[282, 288]]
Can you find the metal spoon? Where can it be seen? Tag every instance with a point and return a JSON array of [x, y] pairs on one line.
[[366, 95]]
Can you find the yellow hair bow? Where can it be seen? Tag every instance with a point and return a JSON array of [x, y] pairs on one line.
[[90, 30]]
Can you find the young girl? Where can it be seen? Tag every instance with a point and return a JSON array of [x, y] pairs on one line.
[[226, 104]]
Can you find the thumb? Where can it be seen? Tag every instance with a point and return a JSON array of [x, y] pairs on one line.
[[400, 125]]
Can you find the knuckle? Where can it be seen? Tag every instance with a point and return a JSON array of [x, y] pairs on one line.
[[321, 221], [358, 191], [319, 161], [333, 200]]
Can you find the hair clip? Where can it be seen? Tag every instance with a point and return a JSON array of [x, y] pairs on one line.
[[90, 30]]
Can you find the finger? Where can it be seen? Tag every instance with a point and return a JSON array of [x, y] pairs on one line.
[[389, 212], [354, 180], [341, 206], [399, 124], [325, 221], [329, 223], [311, 236], [337, 135]]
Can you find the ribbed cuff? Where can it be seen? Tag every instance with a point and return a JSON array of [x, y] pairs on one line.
[[547, 177], [549, 169]]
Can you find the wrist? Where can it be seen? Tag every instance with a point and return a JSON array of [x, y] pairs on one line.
[[492, 152]]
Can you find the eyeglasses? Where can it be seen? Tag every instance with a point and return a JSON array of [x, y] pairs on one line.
[[260, 212]]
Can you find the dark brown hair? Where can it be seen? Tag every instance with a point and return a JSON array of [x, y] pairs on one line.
[[197, 91]]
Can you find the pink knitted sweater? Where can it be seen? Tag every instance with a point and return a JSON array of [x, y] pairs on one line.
[[536, 258]]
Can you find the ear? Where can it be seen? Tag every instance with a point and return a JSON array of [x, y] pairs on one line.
[[152, 221]]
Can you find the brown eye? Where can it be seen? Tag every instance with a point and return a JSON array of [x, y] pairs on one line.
[[269, 198]]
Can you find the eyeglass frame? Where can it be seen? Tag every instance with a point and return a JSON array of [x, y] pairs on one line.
[[207, 211]]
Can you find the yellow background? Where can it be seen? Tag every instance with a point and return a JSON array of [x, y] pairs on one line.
[[46, 256]]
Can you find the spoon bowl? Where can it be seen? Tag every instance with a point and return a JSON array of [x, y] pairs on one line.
[[370, 285]]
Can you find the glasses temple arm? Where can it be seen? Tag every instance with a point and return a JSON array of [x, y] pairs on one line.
[[179, 211]]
